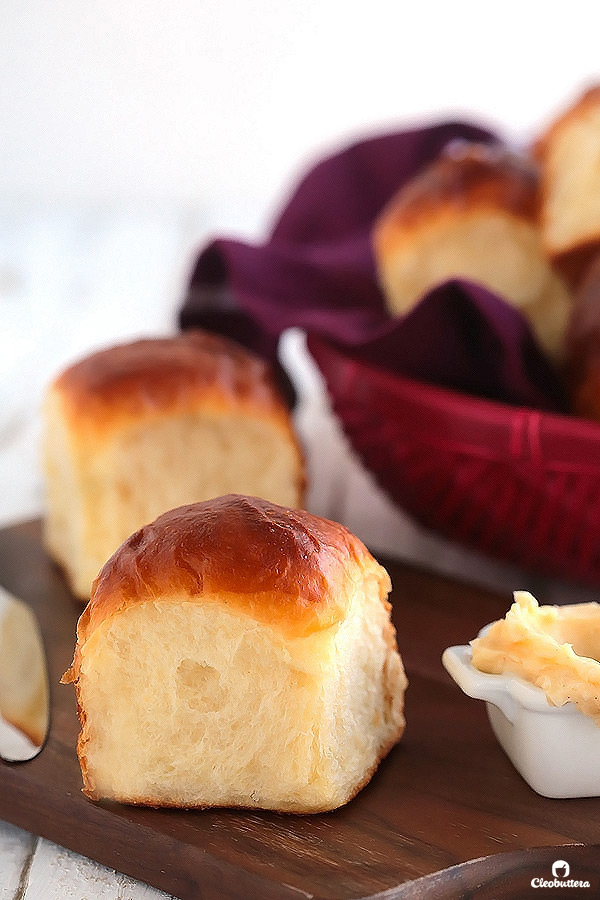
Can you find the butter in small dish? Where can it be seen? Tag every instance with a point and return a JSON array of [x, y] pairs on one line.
[[538, 670]]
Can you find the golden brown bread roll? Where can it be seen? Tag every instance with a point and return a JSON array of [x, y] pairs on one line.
[[143, 427], [237, 653], [569, 155], [473, 214]]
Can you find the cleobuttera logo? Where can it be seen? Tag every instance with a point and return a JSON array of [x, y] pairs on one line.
[[560, 869], [560, 878]]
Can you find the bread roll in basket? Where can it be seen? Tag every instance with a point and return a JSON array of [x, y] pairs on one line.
[[473, 214], [569, 155], [237, 653]]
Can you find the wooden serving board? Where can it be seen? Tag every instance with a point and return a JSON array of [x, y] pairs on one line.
[[446, 795]]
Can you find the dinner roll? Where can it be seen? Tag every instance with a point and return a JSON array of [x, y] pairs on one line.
[[569, 154], [237, 653], [140, 428], [472, 213]]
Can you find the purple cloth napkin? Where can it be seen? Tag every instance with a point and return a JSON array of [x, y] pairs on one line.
[[317, 272]]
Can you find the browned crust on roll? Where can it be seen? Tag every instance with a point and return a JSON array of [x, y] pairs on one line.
[[283, 567], [573, 262], [150, 378], [587, 100], [465, 177]]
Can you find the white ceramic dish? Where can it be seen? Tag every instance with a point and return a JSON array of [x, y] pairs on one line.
[[556, 749]]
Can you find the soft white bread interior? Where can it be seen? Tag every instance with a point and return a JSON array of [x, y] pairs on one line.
[[569, 154], [144, 427], [237, 653], [473, 214]]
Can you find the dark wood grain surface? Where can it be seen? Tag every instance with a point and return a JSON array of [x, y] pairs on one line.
[[445, 796]]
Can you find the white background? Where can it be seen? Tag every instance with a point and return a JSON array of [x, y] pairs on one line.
[[214, 103], [131, 131]]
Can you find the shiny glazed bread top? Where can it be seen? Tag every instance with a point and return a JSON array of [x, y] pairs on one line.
[[150, 378], [284, 567]]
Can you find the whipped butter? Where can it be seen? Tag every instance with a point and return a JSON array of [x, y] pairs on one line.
[[556, 648]]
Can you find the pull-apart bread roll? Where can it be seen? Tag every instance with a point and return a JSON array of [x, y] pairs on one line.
[[569, 154], [473, 214], [237, 653], [140, 428]]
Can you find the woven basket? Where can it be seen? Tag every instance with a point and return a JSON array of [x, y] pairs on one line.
[[520, 485]]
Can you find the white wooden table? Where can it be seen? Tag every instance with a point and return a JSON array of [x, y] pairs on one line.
[[72, 280]]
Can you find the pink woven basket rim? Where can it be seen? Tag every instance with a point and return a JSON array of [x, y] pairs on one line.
[[476, 426]]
